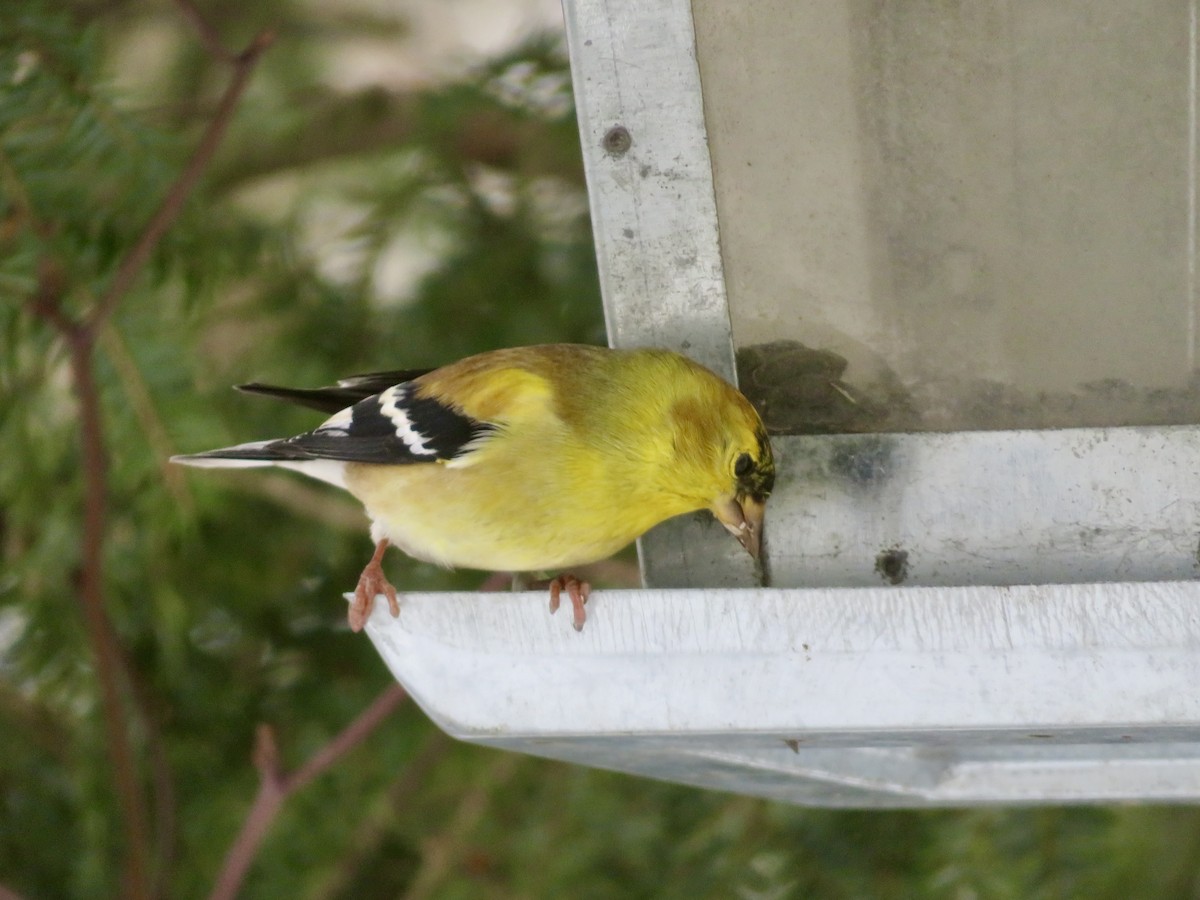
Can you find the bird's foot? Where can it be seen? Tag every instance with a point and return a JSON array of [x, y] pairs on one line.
[[371, 583], [577, 590]]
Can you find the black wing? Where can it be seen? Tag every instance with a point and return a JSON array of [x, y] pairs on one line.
[[346, 392], [394, 427]]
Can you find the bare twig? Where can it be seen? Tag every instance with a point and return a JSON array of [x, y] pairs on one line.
[[104, 645], [172, 204], [329, 508], [205, 32], [339, 127], [376, 822], [610, 572], [164, 803], [26, 715], [275, 786], [142, 403], [21, 212], [47, 303], [443, 850], [80, 338], [354, 734], [258, 820], [497, 581], [7, 893]]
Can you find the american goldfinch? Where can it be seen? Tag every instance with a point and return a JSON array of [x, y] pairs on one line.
[[527, 459]]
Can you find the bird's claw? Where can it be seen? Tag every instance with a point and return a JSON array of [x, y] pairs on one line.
[[371, 583], [577, 590]]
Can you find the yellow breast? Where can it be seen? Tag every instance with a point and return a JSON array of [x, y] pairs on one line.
[[523, 505]]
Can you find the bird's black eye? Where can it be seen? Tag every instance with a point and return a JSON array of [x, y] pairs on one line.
[[742, 467]]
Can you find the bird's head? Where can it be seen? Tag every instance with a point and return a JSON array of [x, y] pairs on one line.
[[750, 470], [723, 448]]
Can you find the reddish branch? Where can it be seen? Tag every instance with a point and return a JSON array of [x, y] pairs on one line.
[[275, 786], [47, 303], [80, 337], [205, 32], [105, 648], [172, 204]]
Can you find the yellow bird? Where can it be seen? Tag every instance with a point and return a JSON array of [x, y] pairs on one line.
[[528, 459]]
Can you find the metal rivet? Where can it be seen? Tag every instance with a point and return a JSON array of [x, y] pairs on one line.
[[617, 141]]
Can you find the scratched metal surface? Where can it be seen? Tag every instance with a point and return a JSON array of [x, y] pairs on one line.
[[888, 665], [1096, 504], [654, 217], [868, 696], [654, 212]]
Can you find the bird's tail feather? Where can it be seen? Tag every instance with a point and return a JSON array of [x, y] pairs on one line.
[[326, 400], [268, 453], [345, 393], [254, 453]]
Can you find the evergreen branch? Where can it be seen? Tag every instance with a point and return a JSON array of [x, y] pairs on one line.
[[80, 338], [442, 851], [47, 304], [28, 716], [354, 734], [141, 401], [172, 204], [316, 502], [165, 812], [205, 32], [275, 786], [375, 823], [22, 209], [164, 800], [91, 588], [341, 128]]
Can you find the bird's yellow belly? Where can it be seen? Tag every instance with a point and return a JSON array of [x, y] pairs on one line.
[[457, 517]]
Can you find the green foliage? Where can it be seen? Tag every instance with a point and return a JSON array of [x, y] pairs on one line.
[[224, 590]]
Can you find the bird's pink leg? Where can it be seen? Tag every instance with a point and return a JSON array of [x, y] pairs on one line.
[[372, 582], [577, 590]]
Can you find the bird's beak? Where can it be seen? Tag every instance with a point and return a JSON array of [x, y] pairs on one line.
[[743, 518]]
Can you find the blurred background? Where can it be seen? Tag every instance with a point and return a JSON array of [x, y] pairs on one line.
[[400, 185]]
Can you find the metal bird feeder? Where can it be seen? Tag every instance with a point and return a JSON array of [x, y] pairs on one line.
[[953, 255]]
